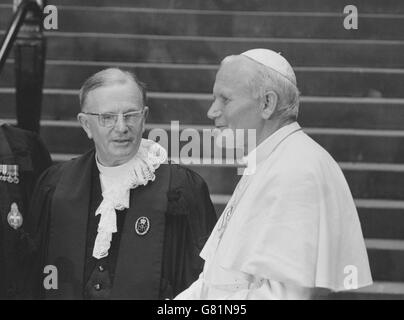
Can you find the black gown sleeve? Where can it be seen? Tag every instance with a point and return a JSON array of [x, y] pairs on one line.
[[36, 237], [191, 217]]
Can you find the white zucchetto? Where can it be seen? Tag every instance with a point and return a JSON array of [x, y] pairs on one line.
[[272, 60]]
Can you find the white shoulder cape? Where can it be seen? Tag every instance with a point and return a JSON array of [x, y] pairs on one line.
[[296, 222]]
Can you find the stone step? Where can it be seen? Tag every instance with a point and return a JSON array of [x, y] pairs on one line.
[[386, 256], [386, 262], [349, 146], [377, 291], [382, 223], [327, 112], [211, 50], [380, 219], [312, 81], [364, 6], [220, 23], [345, 145], [367, 180], [364, 183]]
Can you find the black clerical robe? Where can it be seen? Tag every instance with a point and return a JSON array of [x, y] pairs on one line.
[[24, 151], [157, 265]]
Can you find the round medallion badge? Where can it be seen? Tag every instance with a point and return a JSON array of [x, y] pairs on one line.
[[142, 226]]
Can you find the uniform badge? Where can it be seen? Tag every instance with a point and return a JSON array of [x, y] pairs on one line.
[[142, 226], [9, 173], [14, 217]]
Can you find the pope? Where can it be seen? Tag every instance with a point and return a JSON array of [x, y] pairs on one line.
[[290, 229]]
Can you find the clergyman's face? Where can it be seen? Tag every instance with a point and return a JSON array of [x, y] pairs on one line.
[[234, 106], [117, 144]]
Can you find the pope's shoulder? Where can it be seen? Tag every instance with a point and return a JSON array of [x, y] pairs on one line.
[[302, 155]]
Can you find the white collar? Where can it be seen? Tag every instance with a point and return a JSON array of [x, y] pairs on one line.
[[112, 171], [138, 170]]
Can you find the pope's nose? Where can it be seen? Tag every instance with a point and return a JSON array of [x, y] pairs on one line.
[[214, 112]]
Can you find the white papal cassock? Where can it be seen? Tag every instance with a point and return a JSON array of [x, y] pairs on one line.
[[289, 226]]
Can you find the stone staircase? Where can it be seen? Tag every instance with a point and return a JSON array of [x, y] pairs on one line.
[[351, 83]]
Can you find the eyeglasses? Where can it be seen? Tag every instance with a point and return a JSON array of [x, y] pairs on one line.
[[109, 119]]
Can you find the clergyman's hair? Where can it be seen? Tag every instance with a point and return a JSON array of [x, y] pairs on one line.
[[264, 79], [108, 77]]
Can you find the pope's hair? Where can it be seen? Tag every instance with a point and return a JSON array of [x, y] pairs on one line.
[[264, 79], [108, 77]]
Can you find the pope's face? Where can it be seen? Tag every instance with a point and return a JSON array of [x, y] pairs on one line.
[[234, 107], [118, 143]]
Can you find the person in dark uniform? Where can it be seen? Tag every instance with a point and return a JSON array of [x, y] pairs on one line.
[[23, 157], [119, 222]]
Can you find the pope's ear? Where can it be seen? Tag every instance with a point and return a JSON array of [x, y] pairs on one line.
[[82, 118], [269, 105]]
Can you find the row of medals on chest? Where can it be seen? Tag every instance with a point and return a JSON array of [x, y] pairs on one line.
[[9, 173]]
